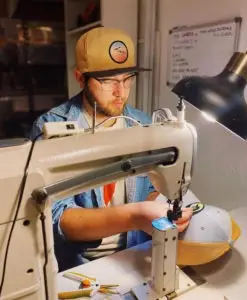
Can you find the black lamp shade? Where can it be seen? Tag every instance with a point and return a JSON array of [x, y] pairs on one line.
[[221, 96]]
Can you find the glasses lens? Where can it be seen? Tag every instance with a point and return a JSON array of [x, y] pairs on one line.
[[110, 84], [107, 84], [128, 82]]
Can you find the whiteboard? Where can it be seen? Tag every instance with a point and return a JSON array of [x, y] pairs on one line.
[[201, 49]]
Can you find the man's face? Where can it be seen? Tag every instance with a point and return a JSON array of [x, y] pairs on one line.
[[109, 93]]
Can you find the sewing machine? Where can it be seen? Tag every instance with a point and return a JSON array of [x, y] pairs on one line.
[[70, 161]]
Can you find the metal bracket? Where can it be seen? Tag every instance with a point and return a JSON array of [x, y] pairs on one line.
[[145, 292]]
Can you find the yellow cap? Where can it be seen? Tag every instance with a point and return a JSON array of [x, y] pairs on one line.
[[105, 52]]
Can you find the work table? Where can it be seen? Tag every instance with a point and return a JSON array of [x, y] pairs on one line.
[[129, 268]]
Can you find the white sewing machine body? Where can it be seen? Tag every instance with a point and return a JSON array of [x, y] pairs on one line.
[[65, 166]]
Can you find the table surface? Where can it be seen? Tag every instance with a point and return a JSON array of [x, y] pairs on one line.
[[129, 268]]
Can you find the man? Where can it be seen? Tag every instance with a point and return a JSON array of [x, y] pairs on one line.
[[104, 220]]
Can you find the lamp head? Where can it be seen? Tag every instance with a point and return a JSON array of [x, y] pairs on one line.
[[222, 96]]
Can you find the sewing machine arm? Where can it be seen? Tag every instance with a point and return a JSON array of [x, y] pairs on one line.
[[62, 167]]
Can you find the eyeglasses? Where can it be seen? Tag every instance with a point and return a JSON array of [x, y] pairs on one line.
[[109, 84]]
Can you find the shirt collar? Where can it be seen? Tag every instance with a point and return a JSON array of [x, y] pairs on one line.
[[70, 110]]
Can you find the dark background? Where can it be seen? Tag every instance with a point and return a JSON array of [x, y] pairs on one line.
[[32, 63]]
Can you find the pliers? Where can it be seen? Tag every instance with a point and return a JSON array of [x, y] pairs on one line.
[[88, 287]]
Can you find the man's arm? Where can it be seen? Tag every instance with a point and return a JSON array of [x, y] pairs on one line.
[[88, 224]]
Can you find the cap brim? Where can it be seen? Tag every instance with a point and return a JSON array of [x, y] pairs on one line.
[[113, 72]]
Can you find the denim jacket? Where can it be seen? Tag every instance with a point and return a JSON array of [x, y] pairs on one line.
[[69, 253]]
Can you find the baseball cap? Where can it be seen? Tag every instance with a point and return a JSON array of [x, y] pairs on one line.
[[211, 233], [105, 52]]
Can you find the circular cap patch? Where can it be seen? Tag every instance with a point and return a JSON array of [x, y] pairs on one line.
[[118, 52], [197, 207]]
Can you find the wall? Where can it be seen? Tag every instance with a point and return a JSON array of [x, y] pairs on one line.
[[121, 14], [221, 169]]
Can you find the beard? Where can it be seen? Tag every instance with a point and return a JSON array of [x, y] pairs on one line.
[[108, 110]]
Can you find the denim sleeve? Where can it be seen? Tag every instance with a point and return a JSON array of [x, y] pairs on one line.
[[58, 208], [36, 130], [151, 188], [59, 238]]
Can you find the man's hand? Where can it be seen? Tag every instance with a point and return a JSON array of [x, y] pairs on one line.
[[150, 210], [183, 222]]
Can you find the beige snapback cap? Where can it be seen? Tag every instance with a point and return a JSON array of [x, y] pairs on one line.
[[105, 52]]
